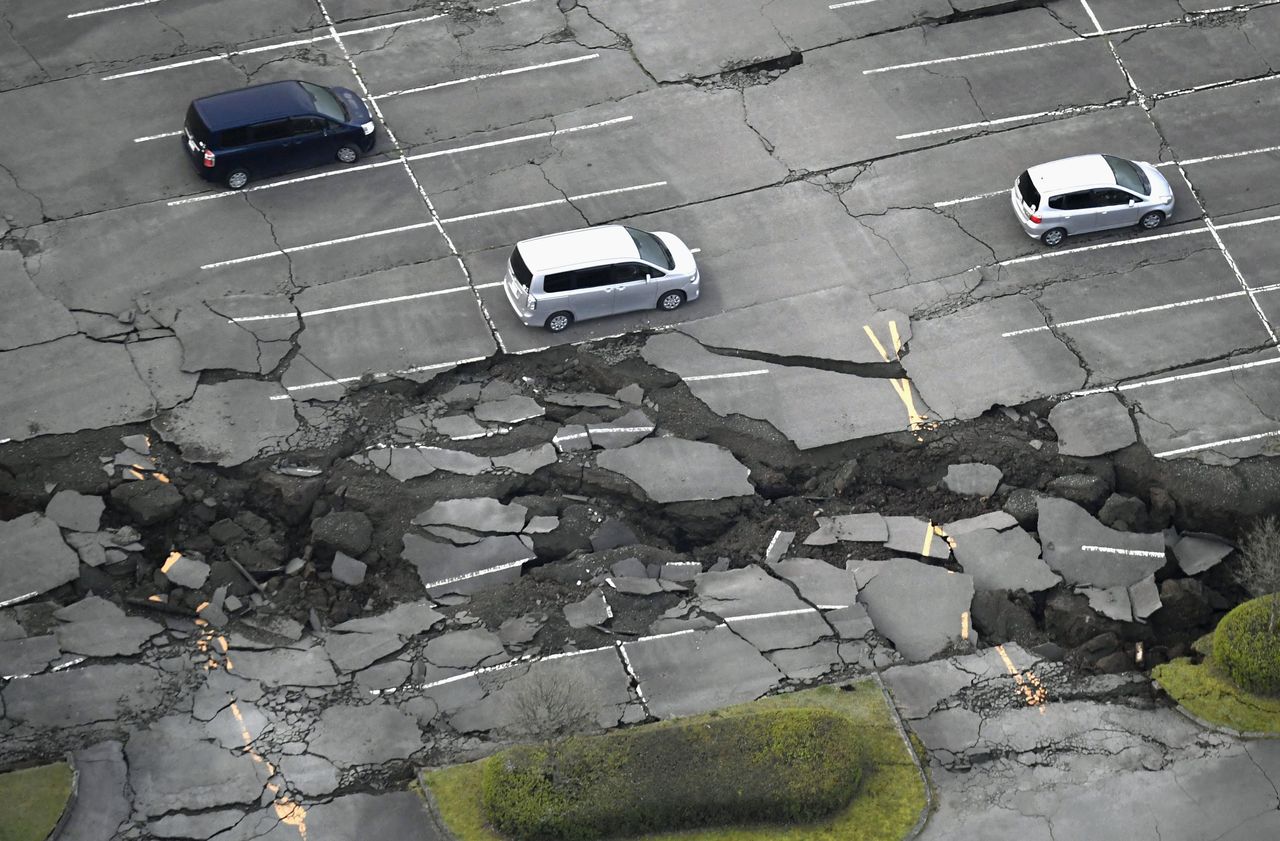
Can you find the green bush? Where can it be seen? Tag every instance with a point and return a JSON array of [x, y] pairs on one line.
[[779, 766], [1247, 650]]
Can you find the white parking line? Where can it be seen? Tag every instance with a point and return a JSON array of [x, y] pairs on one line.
[[297, 42], [1058, 112], [1188, 162], [345, 307], [1078, 39], [513, 71], [1213, 444], [551, 202], [17, 599], [1136, 553], [1082, 38], [752, 616], [281, 252], [1084, 109], [1229, 155], [1044, 255], [1139, 311], [726, 376], [106, 9], [950, 202], [848, 3], [1225, 369], [343, 380], [470, 575], [157, 136], [422, 156]]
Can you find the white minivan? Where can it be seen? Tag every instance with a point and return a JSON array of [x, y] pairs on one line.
[[555, 280]]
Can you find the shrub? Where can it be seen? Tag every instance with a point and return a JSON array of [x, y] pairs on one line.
[[1247, 650], [779, 766]]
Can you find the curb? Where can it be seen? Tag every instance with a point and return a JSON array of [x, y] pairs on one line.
[[429, 803], [915, 758], [56, 832], [1244, 735]]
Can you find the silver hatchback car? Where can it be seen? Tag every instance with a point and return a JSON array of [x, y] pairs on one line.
[[555, 280], [1089, 193]]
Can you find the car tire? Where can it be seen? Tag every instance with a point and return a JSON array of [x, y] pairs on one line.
[[348, 154], [671, 301], [1151, 221], [558, 322], [1054, 237], [237, 179]]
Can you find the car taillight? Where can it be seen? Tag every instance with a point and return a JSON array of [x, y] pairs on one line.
[[209, 158], [1035, 220]]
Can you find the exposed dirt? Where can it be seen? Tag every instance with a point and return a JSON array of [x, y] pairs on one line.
[[258, 516]]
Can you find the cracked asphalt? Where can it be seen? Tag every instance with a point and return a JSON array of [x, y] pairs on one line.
[[842, 170]]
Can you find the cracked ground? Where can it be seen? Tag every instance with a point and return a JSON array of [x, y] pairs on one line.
[[391, 502]]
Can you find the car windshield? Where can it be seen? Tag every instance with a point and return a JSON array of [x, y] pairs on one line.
[[519, 270], [1128, 175], [651, 248], [1030, 195], [326, 103]]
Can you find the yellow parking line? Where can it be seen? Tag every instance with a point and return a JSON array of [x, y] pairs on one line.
[[901, 386]]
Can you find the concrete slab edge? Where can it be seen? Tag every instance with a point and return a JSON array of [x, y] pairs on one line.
[[433, 809], [915, 758], [1209, 725], [72, 798]]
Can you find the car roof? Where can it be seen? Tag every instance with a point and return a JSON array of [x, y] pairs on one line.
[[271, 101], [583, 247], [1075, 173]]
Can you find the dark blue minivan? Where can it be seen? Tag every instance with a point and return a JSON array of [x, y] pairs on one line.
[[275, 128]]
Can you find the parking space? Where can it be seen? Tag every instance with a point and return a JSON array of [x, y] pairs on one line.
[[879, 165]]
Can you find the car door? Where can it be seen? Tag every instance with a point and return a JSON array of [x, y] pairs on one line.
[[268, 151], [1111, 209], [309, 143], [1073, 211], [584, 293], [632, 287]]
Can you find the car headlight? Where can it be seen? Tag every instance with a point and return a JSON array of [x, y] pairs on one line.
[[367, 128]]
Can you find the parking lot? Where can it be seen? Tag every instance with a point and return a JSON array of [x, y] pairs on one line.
[[862, 190]]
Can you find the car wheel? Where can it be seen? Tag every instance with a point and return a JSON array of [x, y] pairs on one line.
[[1053, 237], [671, 301], [348, 154], [237, 178], [1151, 221], [558, 322]]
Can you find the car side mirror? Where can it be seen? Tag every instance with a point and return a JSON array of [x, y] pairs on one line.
[[1132, 202], [648, 277]]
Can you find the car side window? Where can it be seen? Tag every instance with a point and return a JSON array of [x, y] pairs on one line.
[[1110, 198], [630, 272], [1072, 201], [233, 137], [273, 130], [559, 282], [307, 125], [594, 278]]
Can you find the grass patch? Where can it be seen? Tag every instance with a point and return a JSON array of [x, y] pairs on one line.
[[1206, 691], [32, 800], [886, 807]]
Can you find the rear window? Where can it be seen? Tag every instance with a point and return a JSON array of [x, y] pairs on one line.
[[1128, 175], [519, 270], [1030, 195], [195, 126], [651, 248]]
